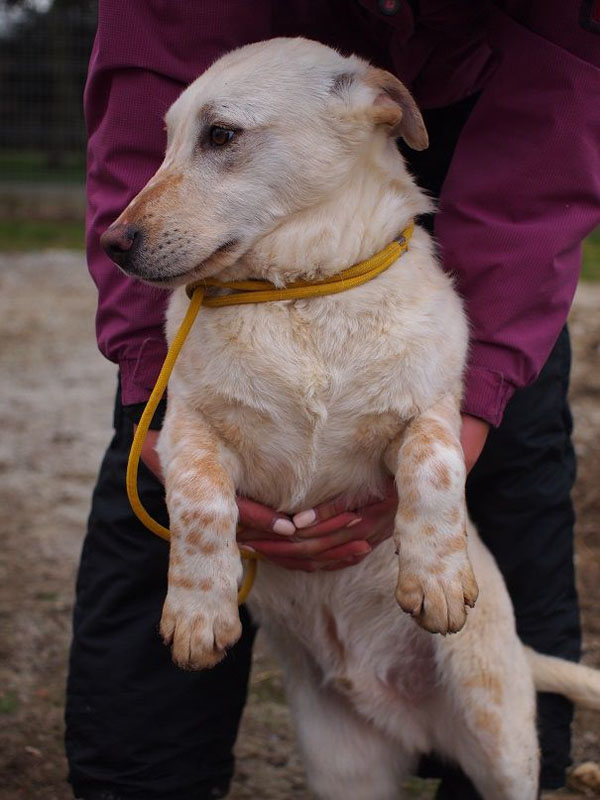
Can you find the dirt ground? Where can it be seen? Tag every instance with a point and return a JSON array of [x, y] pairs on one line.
[[55, 414]]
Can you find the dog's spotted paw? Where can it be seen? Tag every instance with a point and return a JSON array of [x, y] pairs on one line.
[[199, 634], [437, 601]]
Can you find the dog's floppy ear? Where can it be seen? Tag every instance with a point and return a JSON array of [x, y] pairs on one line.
[[394, 106]]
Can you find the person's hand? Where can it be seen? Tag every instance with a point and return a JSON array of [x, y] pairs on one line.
[[149, 455], [473, 436], [325, 537]]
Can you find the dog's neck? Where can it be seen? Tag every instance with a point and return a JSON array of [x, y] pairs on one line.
[[353, 223]]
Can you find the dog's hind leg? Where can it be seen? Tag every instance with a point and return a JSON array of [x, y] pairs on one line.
[[345, 756], [486, 717], [495, 743]]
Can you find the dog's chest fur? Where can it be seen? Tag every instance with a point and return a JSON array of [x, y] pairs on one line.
[[306, 395]]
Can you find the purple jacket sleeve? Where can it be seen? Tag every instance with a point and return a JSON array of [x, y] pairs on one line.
[[522, 192], [129, 320], [144, 54]]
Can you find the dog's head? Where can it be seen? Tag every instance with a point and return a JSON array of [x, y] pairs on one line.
[[268, 131]]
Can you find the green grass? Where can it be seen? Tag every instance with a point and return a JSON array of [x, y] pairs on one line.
[[418, 789], [20, 235], [9, 702], [33, 165], [267, 687], [591, 258], [47, 596]]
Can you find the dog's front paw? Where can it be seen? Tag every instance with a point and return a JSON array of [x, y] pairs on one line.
[[437, 598], [199, 633]]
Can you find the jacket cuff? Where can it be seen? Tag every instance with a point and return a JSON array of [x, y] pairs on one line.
[[486, 394], [134, 414], [138, 375]]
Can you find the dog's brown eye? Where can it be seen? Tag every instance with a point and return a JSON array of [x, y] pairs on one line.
[[220, 136]]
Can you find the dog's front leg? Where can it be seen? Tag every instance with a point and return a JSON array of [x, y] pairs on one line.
[[200, 616], [435, 580]]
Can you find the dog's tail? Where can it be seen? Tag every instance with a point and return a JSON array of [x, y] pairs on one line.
[[579, 683]]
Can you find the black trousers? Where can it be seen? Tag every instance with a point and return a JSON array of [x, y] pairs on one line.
[[135, 723]]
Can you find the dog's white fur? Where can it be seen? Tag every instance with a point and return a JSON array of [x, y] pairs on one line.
[[295, 402]]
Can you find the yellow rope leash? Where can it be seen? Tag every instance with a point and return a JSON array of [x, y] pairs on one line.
[[243, 292]]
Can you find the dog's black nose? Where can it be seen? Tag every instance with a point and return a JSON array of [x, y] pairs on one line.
[[118, 241]]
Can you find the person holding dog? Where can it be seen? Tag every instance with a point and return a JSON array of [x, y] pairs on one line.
[[513, 159]]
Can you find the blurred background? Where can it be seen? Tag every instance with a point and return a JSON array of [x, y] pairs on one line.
[[56, 396], [44, 50]]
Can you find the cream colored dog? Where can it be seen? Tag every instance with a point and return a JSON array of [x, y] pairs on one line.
[[282, 164]]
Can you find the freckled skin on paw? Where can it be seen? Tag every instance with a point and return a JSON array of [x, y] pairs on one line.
[[454, 516], [195, 538], [181, 581], [440, 477], [407, 513], [436, 582], [197, 641], [437, 603]]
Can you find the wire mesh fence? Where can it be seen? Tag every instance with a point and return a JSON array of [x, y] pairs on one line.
[[44, 52]]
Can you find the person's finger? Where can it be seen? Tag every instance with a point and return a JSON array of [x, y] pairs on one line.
[[250, 534], [350, 562], [306, 549], [339, 505], [373, 526], [149, 456], [360, 523], [381, 507], [320, 513], [346, 520], [380, 537], [473, 436], [343, 552], [255, 515], [312, 565], [301, 564], [377, 523]]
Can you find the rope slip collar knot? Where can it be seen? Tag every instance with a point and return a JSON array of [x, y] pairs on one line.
[[244, 292]]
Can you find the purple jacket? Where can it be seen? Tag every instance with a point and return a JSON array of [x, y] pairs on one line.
[[523, 188]]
